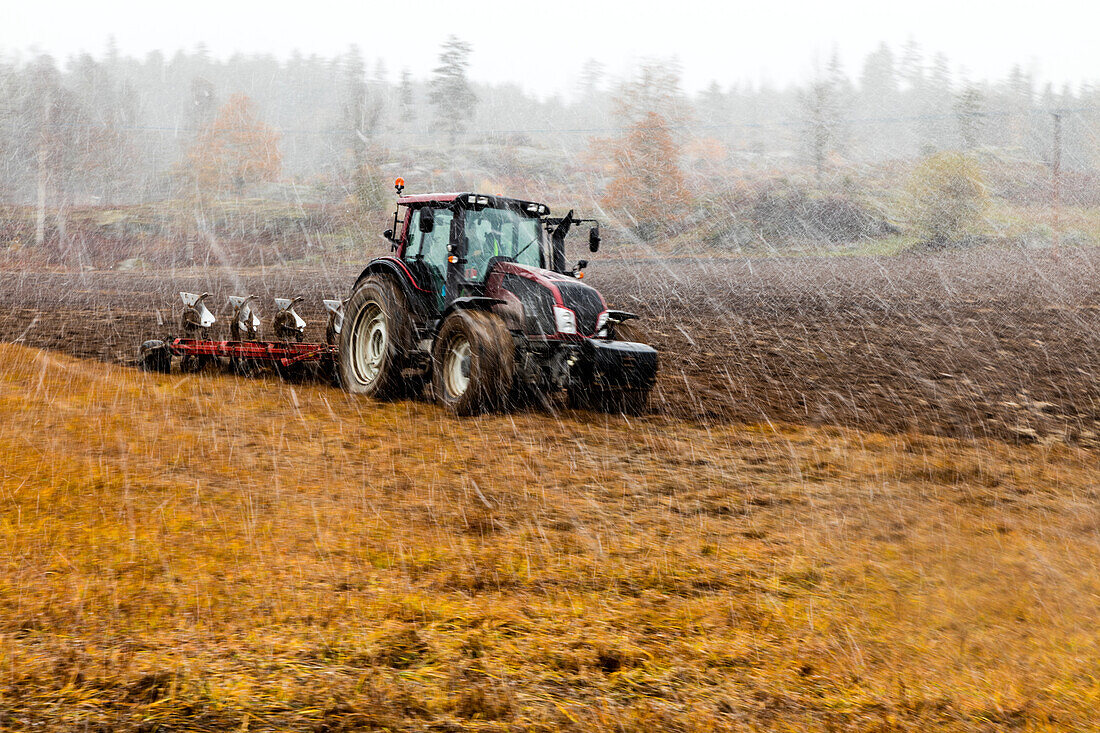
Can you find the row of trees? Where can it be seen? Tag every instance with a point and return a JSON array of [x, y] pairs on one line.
[[899, 104], [648, 190], [102, 132], [116, 129]]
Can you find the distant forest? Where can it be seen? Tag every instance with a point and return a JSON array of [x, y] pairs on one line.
[[112, 129]]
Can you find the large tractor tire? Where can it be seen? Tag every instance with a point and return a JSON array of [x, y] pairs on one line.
[[619, 400], [472, 363], [374, 340]]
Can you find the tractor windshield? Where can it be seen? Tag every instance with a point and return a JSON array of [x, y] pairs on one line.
[[500, 232]]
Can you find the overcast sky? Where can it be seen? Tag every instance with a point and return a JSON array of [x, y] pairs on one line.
[[542, 46]]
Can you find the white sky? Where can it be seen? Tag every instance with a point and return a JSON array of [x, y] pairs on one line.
[[542, 46]]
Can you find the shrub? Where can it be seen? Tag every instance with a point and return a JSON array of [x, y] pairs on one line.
[[947, 197]]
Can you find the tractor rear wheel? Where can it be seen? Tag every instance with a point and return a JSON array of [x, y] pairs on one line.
[[472, 361], [374, 340]]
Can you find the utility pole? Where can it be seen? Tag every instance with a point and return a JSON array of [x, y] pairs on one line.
[[44, 133], [1057, 182]]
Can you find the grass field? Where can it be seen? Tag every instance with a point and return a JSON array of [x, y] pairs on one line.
[[215, 553]]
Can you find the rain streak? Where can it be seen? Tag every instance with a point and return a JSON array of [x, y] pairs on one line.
[[339, 397]]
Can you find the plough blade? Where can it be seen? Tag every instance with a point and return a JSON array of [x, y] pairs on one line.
[[288, 324], [246, 322], [335, 310], [196, 318]]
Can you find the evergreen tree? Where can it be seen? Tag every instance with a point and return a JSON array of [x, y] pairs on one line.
[[878, 93], [911, 68], [354, 108], [970, 115], [592, 74], [203, 105], [934, 131], [450, 94], [654, 88], [406, 99], [825, 107], [878, 83]]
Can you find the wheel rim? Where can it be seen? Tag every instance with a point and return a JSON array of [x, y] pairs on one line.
[[371, 338], [456, 367]]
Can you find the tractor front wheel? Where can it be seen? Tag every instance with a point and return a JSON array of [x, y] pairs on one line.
[[472, 362], [374, 340]]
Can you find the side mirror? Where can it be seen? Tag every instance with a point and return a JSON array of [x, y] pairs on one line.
[[427, 220], [594, 239]]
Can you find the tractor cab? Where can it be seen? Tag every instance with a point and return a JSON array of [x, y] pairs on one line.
[[449, 242]]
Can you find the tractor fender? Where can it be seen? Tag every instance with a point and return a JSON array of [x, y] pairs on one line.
[[399, 273]]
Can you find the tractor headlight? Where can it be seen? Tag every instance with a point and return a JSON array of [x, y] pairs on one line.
[[565, 320]]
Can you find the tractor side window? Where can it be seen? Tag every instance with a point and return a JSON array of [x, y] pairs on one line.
[[430, 247], [412, 237]]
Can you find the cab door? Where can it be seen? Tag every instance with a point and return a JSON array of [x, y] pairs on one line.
[[426, 252]]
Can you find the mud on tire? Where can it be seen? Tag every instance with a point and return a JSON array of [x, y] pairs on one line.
[[374, 341], [472, 363]]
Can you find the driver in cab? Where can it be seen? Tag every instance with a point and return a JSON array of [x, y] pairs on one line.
[[485, 242]]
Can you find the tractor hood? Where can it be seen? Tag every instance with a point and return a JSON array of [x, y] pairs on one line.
[[537, 292]]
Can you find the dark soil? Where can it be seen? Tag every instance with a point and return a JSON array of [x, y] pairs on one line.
[[1002, 344]]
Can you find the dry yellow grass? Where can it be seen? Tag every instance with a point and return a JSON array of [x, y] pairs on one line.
[[214, 553]]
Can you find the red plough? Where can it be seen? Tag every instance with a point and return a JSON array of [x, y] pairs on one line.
[[246, 349], [283, 353]]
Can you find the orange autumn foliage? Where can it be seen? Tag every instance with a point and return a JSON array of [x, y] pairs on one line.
[[648, 190], [235, 151]]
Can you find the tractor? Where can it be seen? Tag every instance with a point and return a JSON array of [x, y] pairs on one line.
[[475, 299]]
